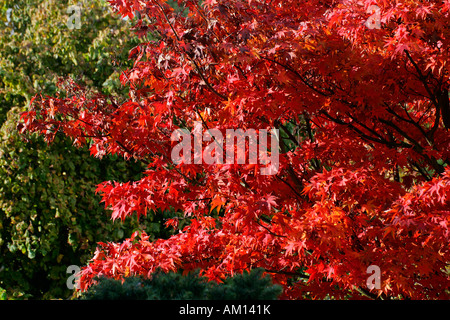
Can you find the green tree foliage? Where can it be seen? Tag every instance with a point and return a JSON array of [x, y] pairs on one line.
[[50, 217], [175, 286], [37, 46]]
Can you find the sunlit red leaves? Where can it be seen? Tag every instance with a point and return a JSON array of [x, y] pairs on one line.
[[361, 179]]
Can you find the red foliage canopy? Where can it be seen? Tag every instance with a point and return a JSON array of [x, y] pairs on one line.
[[363, 115]]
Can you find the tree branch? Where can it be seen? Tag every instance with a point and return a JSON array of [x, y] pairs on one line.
[[299, 76]]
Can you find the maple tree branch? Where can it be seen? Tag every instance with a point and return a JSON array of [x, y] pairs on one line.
[[202, 199], [409, 120], [206, 81], [290, 170], [437, 119], [371, 295], [167, 19], [440, 99], [270, 231], [290, 135], [416, 145], [421, 170], [390, 143], [189, 180], [95, 136], [358, 131], [202, 14], [129, 151], [207, 128], [289, 185], [299, 76], [422, 78], [288, 273], [373, 131], [190, 58], [444, 108]]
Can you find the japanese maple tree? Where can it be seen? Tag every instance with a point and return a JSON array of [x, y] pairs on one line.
[[363, 115]]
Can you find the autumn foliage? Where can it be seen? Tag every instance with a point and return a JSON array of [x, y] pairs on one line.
[[363, 115]]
